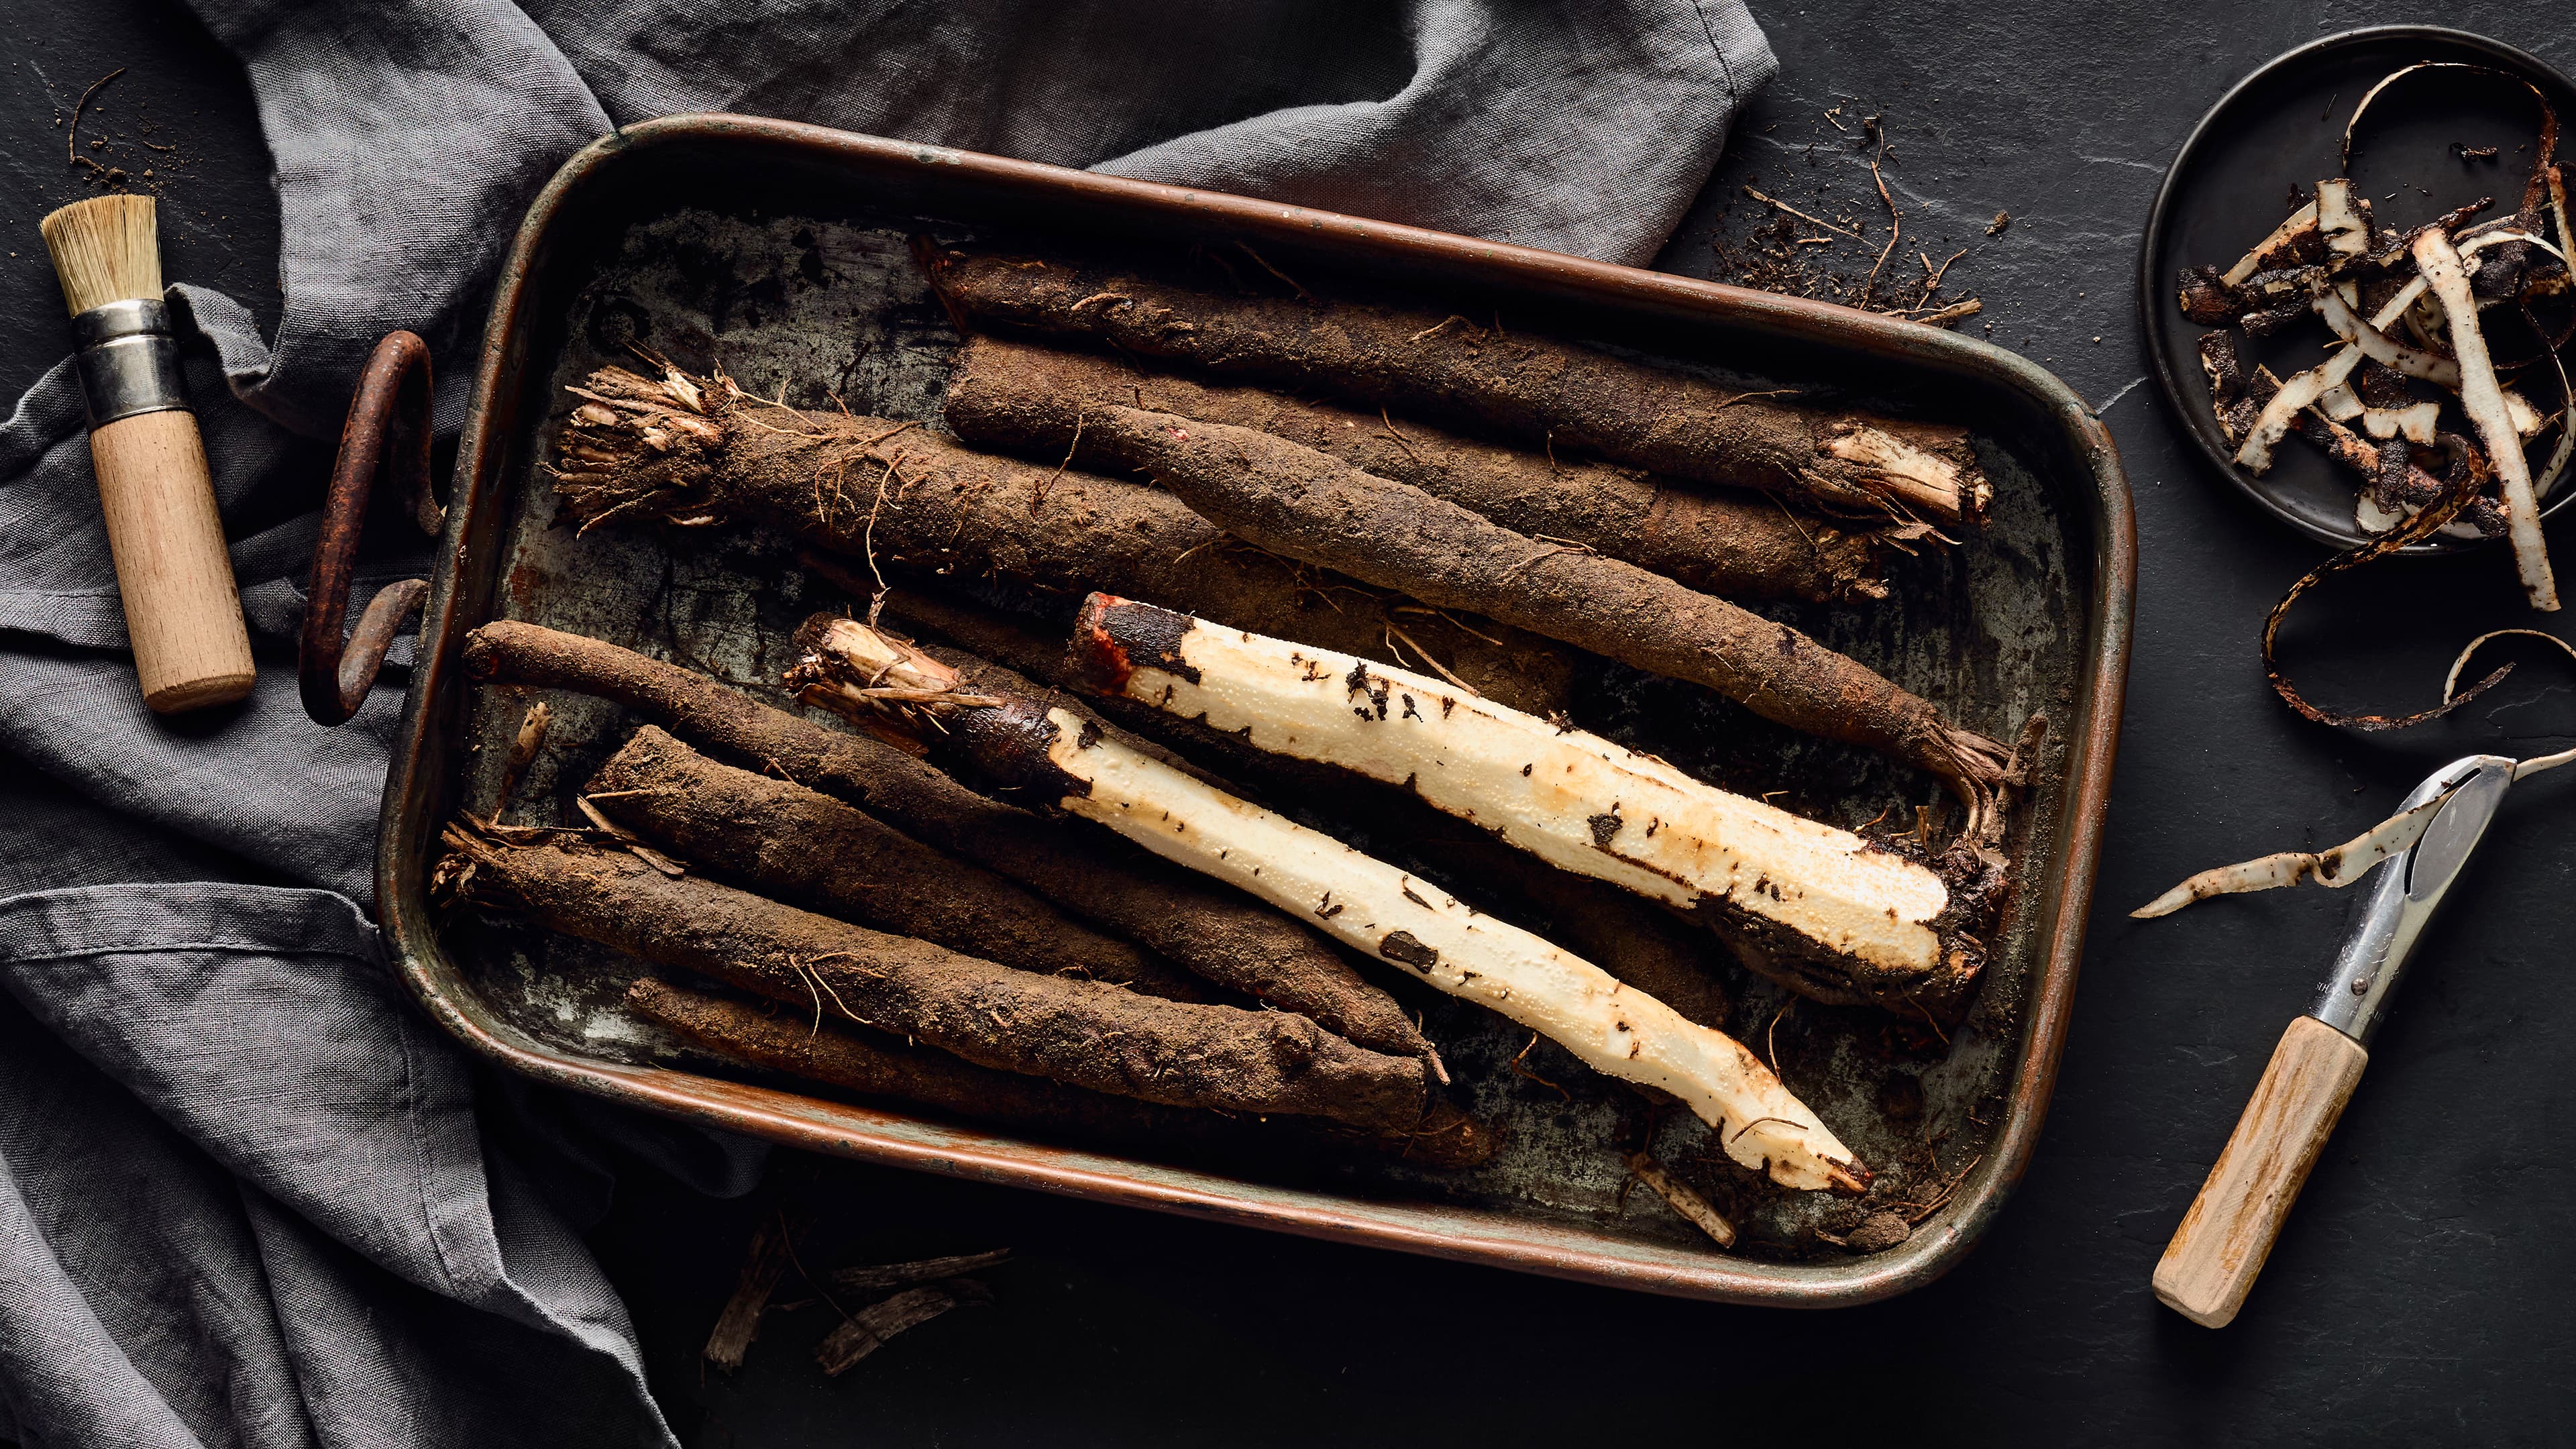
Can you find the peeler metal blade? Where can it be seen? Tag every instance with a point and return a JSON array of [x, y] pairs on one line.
[[2410, 887]]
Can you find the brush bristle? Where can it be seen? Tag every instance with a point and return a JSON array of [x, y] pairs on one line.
[[106, 249]]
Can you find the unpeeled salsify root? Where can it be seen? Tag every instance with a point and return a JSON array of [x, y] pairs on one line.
[[1295, 500], [1735, 544], [1411, 924], [1824, 901], [890, 494], [1085, 1033], [808, 849], [1541, 392], [1212, 932], [2333, 869], [780, 1040]]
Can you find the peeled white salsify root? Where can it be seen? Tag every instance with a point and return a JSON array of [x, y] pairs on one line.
[[1412, 924], [1585, 804]]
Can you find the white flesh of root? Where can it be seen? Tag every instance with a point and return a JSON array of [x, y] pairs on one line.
[[2302, 390], [1922, 481], [2415, 422], [2339, 221], [2307, 388], [2379, 347], [2483, 400], [1573, 799], [1370, 905], [2303, 219], [896, 673]]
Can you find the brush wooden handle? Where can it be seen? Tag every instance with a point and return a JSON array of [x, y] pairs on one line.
[[2216, 1254], [182, 610]]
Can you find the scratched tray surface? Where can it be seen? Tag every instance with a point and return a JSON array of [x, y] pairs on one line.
[[813, 309]]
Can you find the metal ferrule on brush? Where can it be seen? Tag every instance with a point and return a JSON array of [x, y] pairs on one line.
[[128, 360]]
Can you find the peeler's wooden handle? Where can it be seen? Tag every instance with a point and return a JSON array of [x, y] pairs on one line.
[[2212, 1261], [182, 611]]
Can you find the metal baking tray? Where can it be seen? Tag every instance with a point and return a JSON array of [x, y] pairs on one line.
[[780, 252]]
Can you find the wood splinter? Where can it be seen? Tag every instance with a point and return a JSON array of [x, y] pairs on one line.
[[1682, 1199]]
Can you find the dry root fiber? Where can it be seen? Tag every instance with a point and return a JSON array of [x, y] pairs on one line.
[[1738, 545], [693, 450], [1085, 1033], [1300, 502], [803, 847], [1537, 391], [1213, 932], [781, 1040]]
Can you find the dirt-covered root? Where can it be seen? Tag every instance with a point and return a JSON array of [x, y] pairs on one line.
[[1213, 932], [1740, 545], [804, 847], [1085, 1033], [1271, 958], [896, 496], [1539, 391], [779, 1039], [1295, 500]]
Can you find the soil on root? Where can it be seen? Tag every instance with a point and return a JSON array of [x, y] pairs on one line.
[[1014, 395], [778, 1039], [1086, 1033], [801, 846]]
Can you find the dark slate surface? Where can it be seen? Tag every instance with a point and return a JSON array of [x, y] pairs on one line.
[[2420, 1293]]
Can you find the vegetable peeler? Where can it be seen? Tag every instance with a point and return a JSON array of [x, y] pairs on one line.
[[2219, 1249]]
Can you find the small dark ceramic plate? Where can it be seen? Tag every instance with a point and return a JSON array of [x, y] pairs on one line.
[[2280, 127]]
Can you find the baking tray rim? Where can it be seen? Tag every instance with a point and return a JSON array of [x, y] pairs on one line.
[[1482, 1235]]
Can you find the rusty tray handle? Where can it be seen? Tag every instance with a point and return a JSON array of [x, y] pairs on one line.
[[389, 417]]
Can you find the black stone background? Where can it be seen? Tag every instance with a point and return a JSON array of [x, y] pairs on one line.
[[2420, 1293]]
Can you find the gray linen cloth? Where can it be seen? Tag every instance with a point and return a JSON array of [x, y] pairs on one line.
[[247, 1194]]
